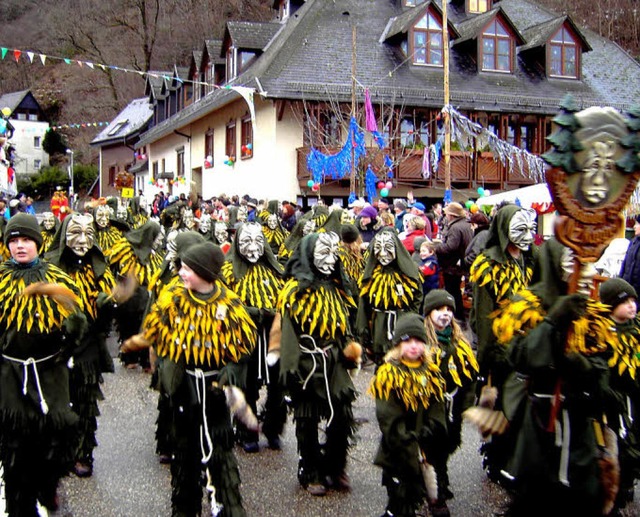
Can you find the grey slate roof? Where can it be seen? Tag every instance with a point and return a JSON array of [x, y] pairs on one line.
[[214, 49], [310, 59], [251, 35], [472, 27], [539, 34], [137, 114], [12, 100]]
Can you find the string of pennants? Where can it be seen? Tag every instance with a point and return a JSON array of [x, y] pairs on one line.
[[80, 125]]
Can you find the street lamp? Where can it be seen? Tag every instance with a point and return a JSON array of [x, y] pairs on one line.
[[71, 196]]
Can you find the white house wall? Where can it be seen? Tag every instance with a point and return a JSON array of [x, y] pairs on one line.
[[23, 141]]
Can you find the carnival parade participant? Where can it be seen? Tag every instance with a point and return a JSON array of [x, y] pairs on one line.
[[459, 369], [75, 251], [390, 285], [109, 230], [41, 319], [138, 256], [252, 271], [316, 352], [274, 232], [409, 392], [501, 270], [200, 328], [48, 228], [559, 344]]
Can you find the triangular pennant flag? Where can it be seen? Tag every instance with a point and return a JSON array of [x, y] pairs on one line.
[[79, 63], [4, 52], [16, 54], [90, 65], [102, 66], [141, 73], [30, 56], [43, 58], [67, 60]]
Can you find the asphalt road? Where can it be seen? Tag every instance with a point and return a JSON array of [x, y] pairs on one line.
[[128, 480]]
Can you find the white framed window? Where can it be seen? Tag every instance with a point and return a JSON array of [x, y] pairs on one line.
[[37, 142]]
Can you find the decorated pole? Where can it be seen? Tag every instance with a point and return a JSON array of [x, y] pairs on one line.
[[447, 118]]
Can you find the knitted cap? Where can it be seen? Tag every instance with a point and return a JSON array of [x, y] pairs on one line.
[[409, 325], [401, 204], [23, 225], [615, 291], [205, 259], [349, 233], [419, 206], [369, 211], [438, 298]]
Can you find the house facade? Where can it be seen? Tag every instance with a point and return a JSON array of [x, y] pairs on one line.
[[23, 149], [117, 152], [243, 116]]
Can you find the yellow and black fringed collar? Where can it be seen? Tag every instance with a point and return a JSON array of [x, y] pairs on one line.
[[206, 332], [462, 360], [592, 333], [107, 238], [89, 287], [414, 386], [388, 289], [138, 220], [321, 310], [123, 258], [503, 279], [35, 313], [47, 240], [626, 349], [353, 264], [276, 236], [259, 287]]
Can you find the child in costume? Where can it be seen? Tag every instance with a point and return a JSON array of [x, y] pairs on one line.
[[409, 392], [316, 352], [623, 397], [200, 329], [252, 271], [459, 368], [429, 267], [41, 321]]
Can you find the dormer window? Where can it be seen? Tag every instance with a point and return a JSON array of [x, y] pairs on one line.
[[427, 41], [232, 69], [478, 6], [563, 52], [285, 10], [497, 48]]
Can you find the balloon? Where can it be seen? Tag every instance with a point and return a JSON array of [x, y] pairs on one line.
[[473, 209], [315, 187], [6, 111], [310, 183], [468, 204], [380, 184], [209, 158], [207, 164], [249, 146], [389, 184], [384, 192], [487, 192], [480, 191]]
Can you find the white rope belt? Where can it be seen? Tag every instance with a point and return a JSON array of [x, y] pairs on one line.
[[262, 355], [323, 354], [391, 321], [201, 390], [448, 402], [33, 363]]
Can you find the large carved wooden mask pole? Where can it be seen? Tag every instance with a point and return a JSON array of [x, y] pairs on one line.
[[594, 169]]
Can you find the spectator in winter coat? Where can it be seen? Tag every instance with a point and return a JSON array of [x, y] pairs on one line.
[[400, 209], [451, 253], [630, 270], [416, 229], [480, 224], [429, 267], [368, 223]]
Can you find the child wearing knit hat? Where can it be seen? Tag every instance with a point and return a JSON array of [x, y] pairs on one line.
[[459, 369], [408, 388], [623, 404]]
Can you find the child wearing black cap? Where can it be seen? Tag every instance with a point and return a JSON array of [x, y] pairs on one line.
[[459, 368], [409, 393], [623, 397], [200, 329]]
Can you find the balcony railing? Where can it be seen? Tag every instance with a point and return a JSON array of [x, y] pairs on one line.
[[468, 169]]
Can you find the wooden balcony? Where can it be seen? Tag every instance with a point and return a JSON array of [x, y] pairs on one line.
[[468, 170]]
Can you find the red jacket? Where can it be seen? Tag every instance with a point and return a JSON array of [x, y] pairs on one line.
[[411, 236]]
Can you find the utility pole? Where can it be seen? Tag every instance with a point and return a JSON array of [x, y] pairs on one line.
[[352, 180], [447, 119]]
